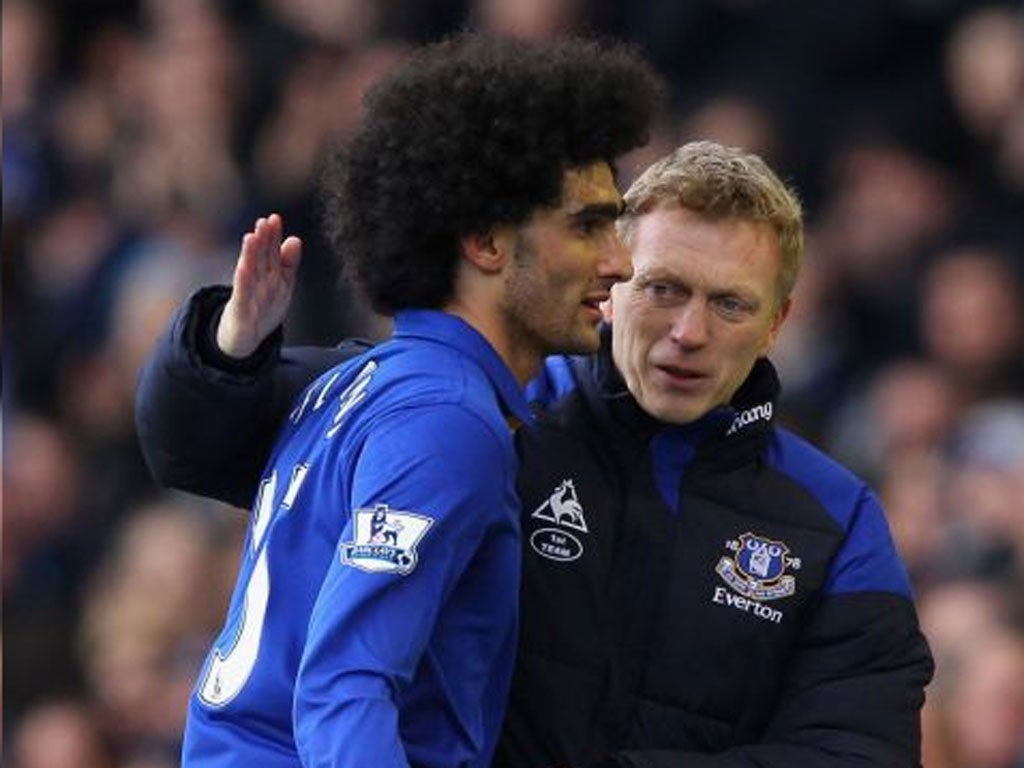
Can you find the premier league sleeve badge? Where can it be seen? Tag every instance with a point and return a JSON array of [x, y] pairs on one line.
[[384, 540]]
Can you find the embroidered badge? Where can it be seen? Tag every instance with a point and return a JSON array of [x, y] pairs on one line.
[[562, 508], [757, 568], [385, 540]]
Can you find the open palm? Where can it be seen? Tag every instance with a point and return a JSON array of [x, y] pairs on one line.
[[261, 288]]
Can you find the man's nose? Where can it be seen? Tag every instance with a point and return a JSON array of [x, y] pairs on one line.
[[690, 323]]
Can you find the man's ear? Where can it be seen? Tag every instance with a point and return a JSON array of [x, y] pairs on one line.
[[487, 251]]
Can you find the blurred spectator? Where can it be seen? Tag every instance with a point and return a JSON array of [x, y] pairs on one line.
[[736, 120], [909, 408], [955, 613], [151, 609], [288, 152], [984, 710], [59, 734], [974, 710], [911, 490], [346, 23], [291, 146], [985, 68], [28, 65], [972, 321], [530, 19], [985, 476], [46, 553], [886, 207], [190, 85]]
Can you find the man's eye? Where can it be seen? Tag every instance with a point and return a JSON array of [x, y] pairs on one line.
[[659, 291], [732, 305], [589, 227]]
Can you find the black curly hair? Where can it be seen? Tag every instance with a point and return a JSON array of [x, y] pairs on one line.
[[466, 134]]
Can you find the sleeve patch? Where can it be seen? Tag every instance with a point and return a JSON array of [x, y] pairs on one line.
[[385, 540]]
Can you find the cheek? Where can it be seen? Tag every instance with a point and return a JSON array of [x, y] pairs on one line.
[[639, 331], [742, 351], [749, 340], [562, 280]]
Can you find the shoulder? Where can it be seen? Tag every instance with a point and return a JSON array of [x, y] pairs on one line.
[[409, 401], [432, 402], [867, 560], [453, 431], [425, 374], [834, 486], [397, 376]]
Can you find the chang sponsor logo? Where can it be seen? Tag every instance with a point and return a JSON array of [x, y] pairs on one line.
[[761, 412]]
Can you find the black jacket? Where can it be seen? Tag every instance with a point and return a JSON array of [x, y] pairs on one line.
[[720, 594]]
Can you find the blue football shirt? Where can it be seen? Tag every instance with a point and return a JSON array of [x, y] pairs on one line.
[[374, 618]]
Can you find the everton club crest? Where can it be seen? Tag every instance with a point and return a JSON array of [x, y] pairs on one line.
[[385, 540], [757, 568]]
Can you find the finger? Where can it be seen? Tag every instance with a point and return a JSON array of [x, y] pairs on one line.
[[275, 231], [275, 225], [291, 254], [261, 251], [245, 267]]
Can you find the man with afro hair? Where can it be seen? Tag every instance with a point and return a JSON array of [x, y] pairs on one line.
[[374, 619]]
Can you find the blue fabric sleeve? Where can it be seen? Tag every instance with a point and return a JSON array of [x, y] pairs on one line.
[[868, 561], [369, 630]]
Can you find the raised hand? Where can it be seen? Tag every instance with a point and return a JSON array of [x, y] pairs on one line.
[[261, 288]]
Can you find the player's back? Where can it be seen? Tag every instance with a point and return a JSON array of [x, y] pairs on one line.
[[241, 711]]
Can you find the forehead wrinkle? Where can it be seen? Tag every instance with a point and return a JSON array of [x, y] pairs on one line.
[[671, 246]]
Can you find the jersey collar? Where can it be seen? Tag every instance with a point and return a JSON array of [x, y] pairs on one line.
[[455, 332]]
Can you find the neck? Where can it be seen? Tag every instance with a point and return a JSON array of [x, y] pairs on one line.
[[524, 362]]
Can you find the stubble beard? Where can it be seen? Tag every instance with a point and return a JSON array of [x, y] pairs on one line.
[[532, 322]]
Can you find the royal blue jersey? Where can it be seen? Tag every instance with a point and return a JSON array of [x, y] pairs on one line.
[[374, 618]]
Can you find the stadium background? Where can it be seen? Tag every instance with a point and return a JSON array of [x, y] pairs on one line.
[[141, 138]]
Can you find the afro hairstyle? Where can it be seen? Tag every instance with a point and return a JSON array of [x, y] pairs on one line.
[[467, 134]]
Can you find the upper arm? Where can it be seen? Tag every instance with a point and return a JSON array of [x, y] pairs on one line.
[[441, 482], [868, 561]]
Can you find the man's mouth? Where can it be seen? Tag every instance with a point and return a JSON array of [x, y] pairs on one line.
[[593, 303], [681, 375]]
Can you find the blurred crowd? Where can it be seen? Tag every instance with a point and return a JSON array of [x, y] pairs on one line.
[[141, 137]]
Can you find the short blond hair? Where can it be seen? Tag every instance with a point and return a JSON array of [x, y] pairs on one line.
[[722, 182]]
